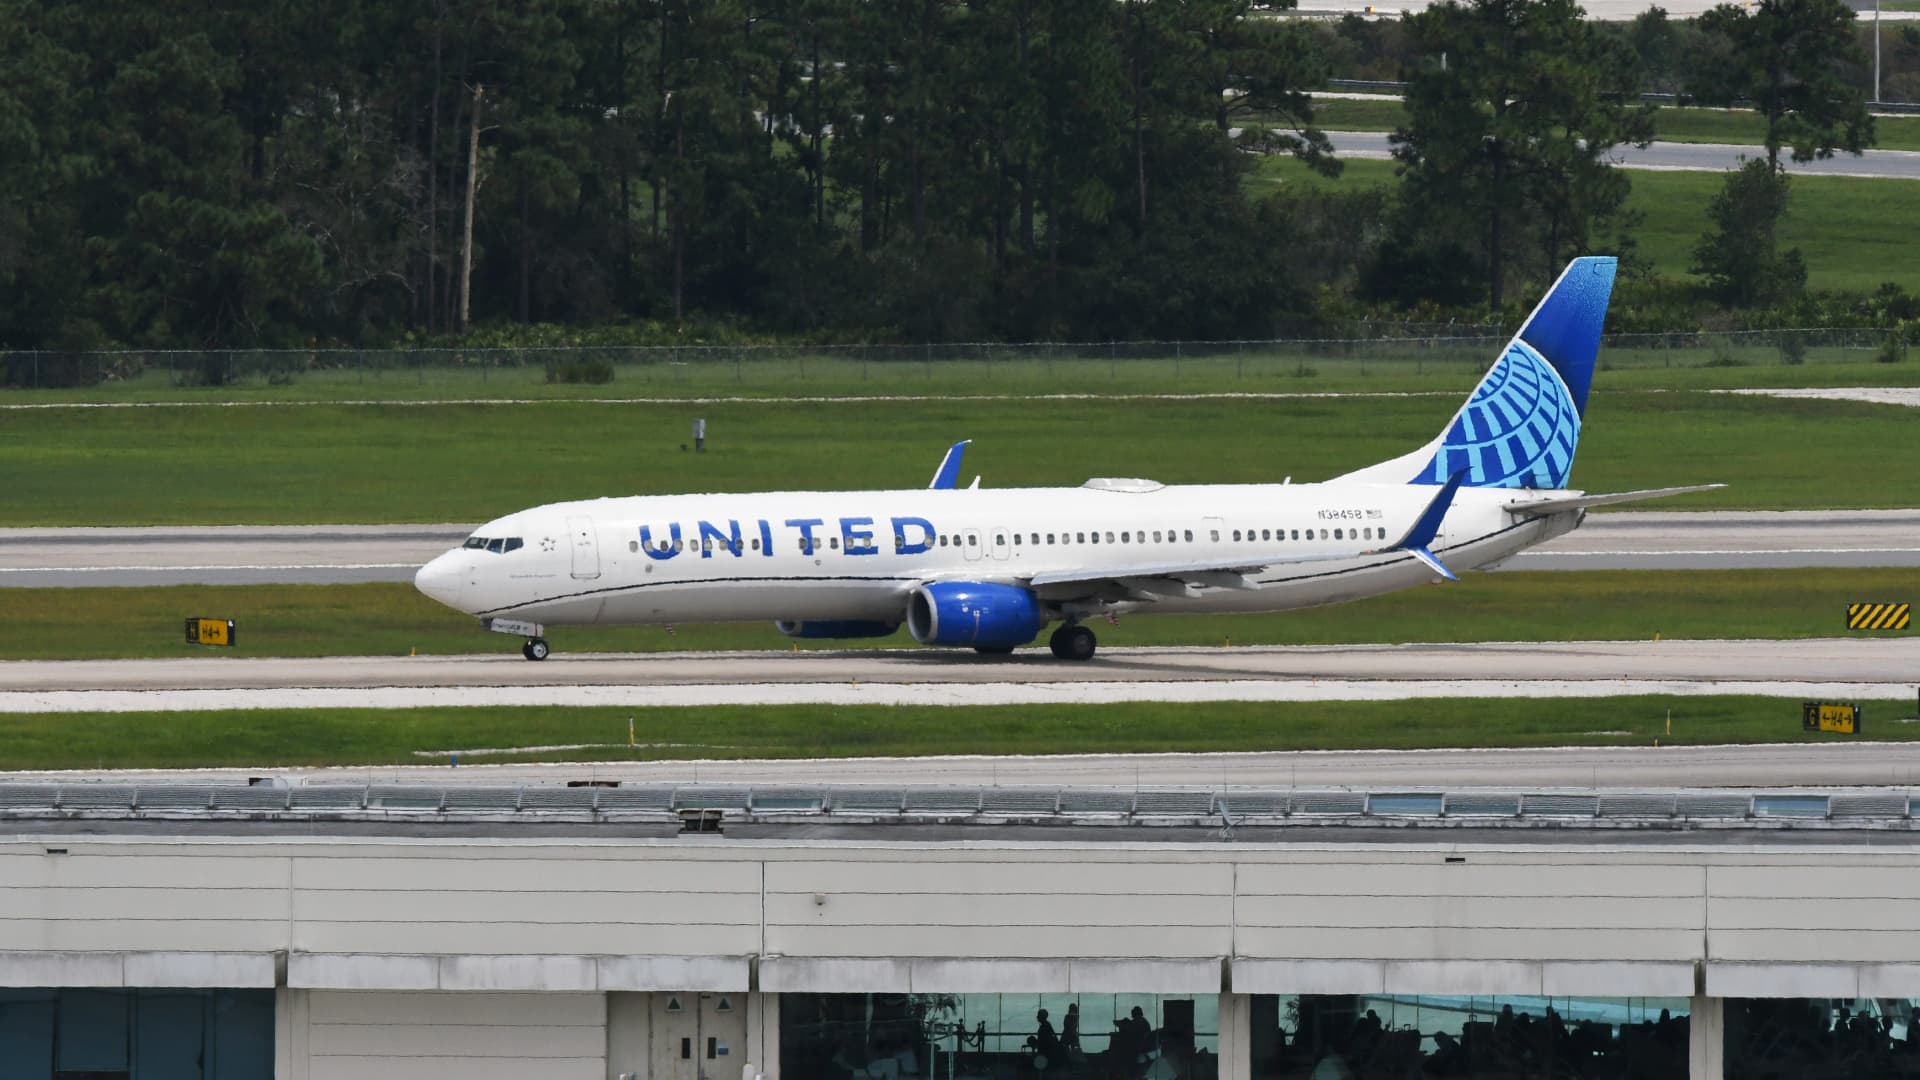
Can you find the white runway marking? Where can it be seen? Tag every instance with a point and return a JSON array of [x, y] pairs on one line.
[[898, 694], [1872, 395]]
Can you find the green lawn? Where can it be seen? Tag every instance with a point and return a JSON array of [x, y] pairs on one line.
[[1854, 232], [1671, 124], [392, 620], [382, 737], [467, 463], [1452, 363]]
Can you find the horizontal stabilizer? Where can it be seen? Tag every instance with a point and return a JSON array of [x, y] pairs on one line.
[[1585, 502]]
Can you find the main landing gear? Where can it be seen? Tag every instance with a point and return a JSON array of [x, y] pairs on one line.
[[1073, 642], [535, 649]]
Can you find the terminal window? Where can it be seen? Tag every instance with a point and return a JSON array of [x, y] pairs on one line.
[[999, 1037], [1874, 1037], [160, 1034], [1314, 1036]]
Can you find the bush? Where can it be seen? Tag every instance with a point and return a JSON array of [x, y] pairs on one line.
[[1892, 351], [1793, 349], [595, 370]]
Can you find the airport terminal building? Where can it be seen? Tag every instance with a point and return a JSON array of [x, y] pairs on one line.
[[388, 939]]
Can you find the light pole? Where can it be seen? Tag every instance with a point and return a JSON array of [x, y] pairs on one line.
[[1876, 50]]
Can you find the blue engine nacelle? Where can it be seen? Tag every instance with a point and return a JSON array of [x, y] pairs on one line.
[[984, 616], [835, 628]]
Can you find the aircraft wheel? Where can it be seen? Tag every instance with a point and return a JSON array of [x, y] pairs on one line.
[[1073, 642], [535, 649]]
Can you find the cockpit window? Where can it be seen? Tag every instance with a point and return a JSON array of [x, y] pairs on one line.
[[476, 542], [496, 544], [513, 543]]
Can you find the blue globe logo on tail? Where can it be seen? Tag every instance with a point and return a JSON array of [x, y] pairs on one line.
[[1522, 424], [1518, 430]]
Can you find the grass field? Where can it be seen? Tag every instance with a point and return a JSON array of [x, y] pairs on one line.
[[469, 463], [1451, 363], [377, 737], [1853, 232], [392, 620], [1671, 124]]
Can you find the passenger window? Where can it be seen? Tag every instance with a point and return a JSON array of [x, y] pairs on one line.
[[1323, 534], [943, 541], [999, 540], [1156, 536], [633, 545], [1189, 536], [1124, 539], [1082, 537], [1236, 534], [833, 542], [756, 543], [1035, 538], [1109, 538], [1049, 538], [1216, 536], [1337, 536]]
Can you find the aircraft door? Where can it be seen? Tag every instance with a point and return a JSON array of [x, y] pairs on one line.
[[972, 539], [1000, 548], [702, 1036], [586, 548]]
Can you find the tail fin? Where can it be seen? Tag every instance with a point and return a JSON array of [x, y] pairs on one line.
[[1522, 424]]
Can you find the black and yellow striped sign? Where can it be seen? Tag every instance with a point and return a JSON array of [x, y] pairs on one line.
[[1879, 616]]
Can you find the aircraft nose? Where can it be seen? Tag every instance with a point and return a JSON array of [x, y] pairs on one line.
[[441, 580]]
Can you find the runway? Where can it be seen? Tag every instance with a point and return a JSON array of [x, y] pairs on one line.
[[347, 554], [1828, 668]]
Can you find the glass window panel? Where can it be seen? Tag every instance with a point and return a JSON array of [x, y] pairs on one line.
[[998, 1037], [1314, 1036]]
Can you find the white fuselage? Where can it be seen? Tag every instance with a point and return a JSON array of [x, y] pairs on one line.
[[704, 558]]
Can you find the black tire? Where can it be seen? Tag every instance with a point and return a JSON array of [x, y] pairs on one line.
[[1073, 642], [526, 649], [536, 649]]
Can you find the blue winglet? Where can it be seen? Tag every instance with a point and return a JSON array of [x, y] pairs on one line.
[[1427, 527], [947, 476]]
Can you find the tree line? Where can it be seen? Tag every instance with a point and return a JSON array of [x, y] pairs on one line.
[[271, 173]]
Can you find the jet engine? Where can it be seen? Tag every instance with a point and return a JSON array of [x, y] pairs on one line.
[[992, 618], [835, 628]]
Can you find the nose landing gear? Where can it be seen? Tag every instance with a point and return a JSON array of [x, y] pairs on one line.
[[1073, 642], [535, 649]]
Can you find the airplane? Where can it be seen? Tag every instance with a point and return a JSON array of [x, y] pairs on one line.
[[990, 569]]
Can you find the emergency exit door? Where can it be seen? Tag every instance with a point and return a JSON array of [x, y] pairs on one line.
[[703, 1036]]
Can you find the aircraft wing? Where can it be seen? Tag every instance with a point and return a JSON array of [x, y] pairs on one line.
[[1152, 581], [1583, 502]]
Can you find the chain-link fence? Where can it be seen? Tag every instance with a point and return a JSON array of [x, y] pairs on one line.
[[1396, 350]]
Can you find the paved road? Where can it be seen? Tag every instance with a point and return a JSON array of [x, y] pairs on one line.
[[1599, 10], [337, 554], [1828, 668], [1691, 157], [1828, 765]]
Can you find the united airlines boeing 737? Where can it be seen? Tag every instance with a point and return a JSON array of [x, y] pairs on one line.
[[989, 570]]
